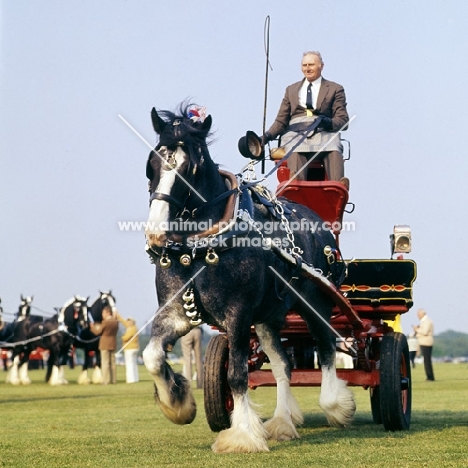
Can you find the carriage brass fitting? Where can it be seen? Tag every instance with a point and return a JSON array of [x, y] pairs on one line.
[[190, 307], [330, 254], [188, 295], [165, 261], [185, 260], [170, 163], [211, 257]]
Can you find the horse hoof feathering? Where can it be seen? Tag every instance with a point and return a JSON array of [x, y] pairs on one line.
[[173, 395], [204, 273]]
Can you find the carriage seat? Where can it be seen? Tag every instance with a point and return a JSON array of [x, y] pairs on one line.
[[327, 198], [315, 171]]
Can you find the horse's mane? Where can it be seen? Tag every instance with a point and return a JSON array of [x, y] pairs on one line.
[[195, 136]]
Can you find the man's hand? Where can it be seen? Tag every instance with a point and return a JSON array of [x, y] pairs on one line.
[[326, 123], [266, 138]]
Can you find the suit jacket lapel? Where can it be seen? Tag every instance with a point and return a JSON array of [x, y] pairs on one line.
[[322, 93], [295, 94]]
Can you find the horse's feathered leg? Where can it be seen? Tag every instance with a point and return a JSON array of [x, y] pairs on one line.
[[13, 374], [172, 391], [23, 371], [287, 413], [97, 370], [83, 378], [97, 375], [246, 433], [50, 366], [336, 399], [55, 377]]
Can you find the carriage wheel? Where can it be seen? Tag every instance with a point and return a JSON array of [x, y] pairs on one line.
[[395, 382], [219, 403], [373, 349]]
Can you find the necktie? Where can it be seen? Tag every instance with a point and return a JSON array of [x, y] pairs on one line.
[[309, 97]]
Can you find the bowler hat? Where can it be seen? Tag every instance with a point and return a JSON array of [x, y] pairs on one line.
[[250, 146]]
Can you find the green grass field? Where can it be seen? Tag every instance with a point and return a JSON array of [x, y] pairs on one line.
[[120, 426]]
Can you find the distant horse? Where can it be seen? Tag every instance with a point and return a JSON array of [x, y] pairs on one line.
[[7, 330], [54, 334], [24, 307], [198, 215], [90, 342], [5, 333]]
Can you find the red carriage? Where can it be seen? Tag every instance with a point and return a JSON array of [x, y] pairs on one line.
[[373, 292]]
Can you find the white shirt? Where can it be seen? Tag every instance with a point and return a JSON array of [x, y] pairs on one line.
[[315, 91]]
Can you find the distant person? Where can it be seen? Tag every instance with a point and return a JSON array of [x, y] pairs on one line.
[[413, 347], [108, 329], [192, 341], [130, 348], [4, 357], [425, 335], [303, 102]]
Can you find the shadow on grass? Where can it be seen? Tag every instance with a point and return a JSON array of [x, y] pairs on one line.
[[315, 429], [53, 398]]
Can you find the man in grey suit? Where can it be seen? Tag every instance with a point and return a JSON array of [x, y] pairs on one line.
[[303, 102]]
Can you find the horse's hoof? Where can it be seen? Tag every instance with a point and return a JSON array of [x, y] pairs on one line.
[[238, 441], [183, 413], [280, 429]]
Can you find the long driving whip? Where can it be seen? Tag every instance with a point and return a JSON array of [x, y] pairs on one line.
[[266, 42]]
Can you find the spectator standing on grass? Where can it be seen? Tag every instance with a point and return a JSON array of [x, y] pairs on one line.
[[130, 348], [192, 341], [108, 329], [413, 347], [425, 335]]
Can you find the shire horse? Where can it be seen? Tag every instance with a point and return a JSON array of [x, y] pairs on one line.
[[55, 334], [89, 342], [7, 336], [201, 277], [24, 309]]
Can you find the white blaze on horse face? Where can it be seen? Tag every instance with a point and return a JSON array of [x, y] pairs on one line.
[[111, 302], [158, 219]]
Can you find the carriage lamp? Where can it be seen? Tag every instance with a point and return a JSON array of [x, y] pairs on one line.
[[400, 240]]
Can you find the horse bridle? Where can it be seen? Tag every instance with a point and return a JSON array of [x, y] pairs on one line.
[[77, 307], [169, 163]]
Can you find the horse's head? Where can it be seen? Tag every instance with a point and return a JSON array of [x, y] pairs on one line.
[[105, 299], [172, 167], [24, 307], [74, 312]]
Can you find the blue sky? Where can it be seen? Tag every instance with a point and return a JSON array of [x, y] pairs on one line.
[[71, 169]]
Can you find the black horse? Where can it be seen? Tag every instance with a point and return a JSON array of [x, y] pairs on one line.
[[24, 309], [216, 242], [56, 335], [89, 342], [7, 337]]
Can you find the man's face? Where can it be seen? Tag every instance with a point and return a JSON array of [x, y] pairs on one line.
[[311, 67]]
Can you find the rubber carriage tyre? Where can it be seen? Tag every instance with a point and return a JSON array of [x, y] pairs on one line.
[[375, 404], [395, 382], [373, 349], [219, 403]]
